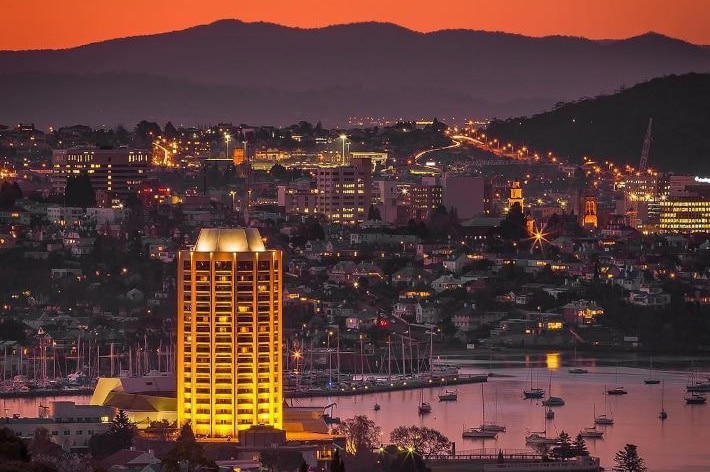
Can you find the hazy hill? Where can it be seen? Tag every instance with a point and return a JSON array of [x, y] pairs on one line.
[[613, 126], [280, 74]]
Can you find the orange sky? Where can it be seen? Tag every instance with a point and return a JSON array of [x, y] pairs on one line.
[[67, 23]]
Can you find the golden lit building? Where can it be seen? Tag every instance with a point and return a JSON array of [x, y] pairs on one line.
[[229, 374], [516, 195], [589, 216]]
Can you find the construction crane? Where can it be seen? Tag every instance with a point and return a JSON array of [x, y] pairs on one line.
[[643, 165]]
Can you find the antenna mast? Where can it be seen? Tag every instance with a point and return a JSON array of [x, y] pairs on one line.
[[643, 165]]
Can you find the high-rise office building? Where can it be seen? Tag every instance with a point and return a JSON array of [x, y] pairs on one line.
[[424, 199], [229, 374], [345, 192], [113, 172]]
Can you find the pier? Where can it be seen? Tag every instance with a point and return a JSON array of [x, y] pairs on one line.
[[508, 460], [375, 387]]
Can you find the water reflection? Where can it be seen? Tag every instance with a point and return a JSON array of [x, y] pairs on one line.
[[553, 360], [676, 444]]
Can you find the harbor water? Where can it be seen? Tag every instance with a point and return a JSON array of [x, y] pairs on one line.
[[680, 443]]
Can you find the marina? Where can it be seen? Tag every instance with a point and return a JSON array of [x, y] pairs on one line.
[[673, 444]]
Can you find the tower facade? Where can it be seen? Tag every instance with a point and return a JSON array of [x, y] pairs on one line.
[[516, 195], [229, 369], [589, 217]]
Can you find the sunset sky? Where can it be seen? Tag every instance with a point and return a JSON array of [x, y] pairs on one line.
[[37, 25]]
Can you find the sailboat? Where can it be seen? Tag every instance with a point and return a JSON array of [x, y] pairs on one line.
[[448, 395], [577, 370], [482, 432], [651, 380], [493, 426], [695, 399], [553, 401], [662, 415], [533, 392], [424, 407], [617, 390], [604, 419], [539, 438], [593, 432]]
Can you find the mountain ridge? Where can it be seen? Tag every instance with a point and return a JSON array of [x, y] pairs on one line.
[[612, 127], [478, 66]]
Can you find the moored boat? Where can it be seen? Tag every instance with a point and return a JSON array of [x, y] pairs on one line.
[[448, 396], [591, 433], [534, 393], [539, 438], [553, 401], [695, 399], [479, 433]]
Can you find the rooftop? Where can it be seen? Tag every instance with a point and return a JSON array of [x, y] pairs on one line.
[[229, 240]]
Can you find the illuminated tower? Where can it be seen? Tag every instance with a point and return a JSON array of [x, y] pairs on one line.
[[516, 195], [589, 218], [229, 374]]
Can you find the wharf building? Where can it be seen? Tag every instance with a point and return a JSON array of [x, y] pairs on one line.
[[229, 369], [113, 172], [69, 425]]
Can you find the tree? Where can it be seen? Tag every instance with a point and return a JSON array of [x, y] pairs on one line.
[[280, 460], [360, 433], [514, 225], [9, 193], [564, 449], [145, 132], [170, 131], [42, 444], [119, 436], [186, 450], [122, 429], [580, 446], [628, 460], [12, 448], [161, 429], [336, 462], [394, 459], [425, 441]]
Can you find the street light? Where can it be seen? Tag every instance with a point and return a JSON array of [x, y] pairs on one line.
[[232, 193], [227, 139], [344, 138]]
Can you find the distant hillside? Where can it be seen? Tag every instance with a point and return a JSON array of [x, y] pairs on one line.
[[276, 74], [613, 127]]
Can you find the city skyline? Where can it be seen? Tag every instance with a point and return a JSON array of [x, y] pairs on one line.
[[373, 236], [36, 26]]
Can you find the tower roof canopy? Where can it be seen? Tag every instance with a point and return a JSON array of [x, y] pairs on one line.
[[229, 240]]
